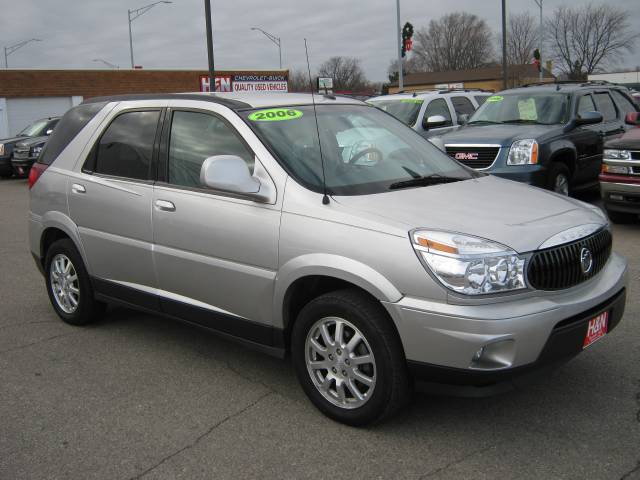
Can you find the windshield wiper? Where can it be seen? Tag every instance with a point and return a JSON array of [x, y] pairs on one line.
[[491, 122], [522, 120], [427, 180]]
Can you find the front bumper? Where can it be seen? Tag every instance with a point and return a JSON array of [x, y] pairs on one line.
[[5, 165], [625, 191], [21, 166], [535, 175], [536, 330]]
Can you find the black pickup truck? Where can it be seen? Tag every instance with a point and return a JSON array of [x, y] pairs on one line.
[[547, 135]]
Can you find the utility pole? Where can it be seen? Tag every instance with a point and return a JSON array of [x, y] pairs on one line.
[[540, 36], [399, 38], [274, 39], [504, 44], [135, 13], [212, 73], [9, 50]]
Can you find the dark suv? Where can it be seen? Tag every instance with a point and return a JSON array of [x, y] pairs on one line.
[[18, 153], [547, 135]]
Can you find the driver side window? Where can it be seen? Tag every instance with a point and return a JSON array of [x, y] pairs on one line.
[[195, 137], [438, 106], [586, 105]]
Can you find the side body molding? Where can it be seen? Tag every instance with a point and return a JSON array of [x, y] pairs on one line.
[[322, 264]]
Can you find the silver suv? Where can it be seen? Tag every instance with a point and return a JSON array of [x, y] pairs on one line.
[[331, 233], [432, 112]]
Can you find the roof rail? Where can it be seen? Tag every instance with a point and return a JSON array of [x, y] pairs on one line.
[[581, 83], [449, 90]]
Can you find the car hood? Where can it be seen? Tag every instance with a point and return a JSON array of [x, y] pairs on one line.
[[503, 135], [629, 141], [32, 141], [511, 213], [11, 141]]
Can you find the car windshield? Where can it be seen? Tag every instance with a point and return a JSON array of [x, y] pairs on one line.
[[406, 109], [524, 107], [36, 129], [364, 150]]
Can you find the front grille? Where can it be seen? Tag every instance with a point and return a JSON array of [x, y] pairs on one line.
[[474, 156], [21, 152], [560, 267]]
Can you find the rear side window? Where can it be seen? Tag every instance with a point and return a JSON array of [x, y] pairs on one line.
[[67, 128], [196, 137], [481, 99], [605, 106], [126, 146], [462, 105], [623, 102], [438, 107]]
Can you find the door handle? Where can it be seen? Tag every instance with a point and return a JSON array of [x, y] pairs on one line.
[[165, 205], [77, 188]]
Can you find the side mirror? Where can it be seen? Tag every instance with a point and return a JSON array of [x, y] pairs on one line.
[[463, 118], [49, 132], [434, 121], [632, 118], [589, 118], [230, 173]]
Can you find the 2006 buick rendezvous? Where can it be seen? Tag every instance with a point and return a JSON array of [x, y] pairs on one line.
[[413, 268]]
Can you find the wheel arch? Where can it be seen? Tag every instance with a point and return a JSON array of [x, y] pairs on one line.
[[566, 154], [56, 225]]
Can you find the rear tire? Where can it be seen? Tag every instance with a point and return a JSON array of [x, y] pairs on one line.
[[365, 380], [622, 217], [558, 179], [69, 286]]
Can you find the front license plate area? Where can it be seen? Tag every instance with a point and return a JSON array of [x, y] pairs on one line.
[[596, 329]]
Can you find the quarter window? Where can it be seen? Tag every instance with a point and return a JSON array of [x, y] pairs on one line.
[[623, 102], [195, 137], [462, 105], [126, 147], [606, 107], [438, 107]]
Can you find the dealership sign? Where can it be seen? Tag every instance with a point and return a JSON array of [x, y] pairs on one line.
[[246, 83]]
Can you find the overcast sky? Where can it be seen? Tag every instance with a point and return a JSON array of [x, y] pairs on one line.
[[74, 32]]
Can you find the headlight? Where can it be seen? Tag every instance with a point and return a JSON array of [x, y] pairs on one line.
[[617, 154], [523, 152], [36, 151], [469, 265], [1, 148]]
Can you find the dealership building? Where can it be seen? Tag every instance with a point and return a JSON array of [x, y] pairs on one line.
[[28, 95]]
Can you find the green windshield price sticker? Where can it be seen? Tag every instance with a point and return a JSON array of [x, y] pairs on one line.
[[275, 115], [495, 98]]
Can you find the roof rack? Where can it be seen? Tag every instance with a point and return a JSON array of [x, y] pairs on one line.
[[449, 90], [581, 83]]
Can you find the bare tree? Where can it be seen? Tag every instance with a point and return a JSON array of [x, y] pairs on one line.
[[584, 40], [299, 80], [410, 65], [522, 38], [457, 41], [346, 72]]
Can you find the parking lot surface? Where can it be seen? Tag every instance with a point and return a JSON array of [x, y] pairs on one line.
[[140, 396]]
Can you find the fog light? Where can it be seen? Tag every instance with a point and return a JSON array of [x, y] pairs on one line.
[[495, 355]]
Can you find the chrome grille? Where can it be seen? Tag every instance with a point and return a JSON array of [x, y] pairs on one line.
[[474, 156], [560, 267]]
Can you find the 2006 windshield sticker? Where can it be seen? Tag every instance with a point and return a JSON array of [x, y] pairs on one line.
[[495, 98], [275, 115]]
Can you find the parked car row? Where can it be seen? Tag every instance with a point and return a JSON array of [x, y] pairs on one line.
[[548, 135], [19, 153]]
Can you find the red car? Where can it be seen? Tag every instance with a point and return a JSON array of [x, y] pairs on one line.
[[620, 177]]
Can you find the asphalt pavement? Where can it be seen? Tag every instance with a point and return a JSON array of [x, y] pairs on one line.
[[140, 396]]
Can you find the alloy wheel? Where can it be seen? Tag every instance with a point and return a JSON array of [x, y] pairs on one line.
[[65, 285]]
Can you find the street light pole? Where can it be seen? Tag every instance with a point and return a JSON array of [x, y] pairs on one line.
[[9, 50], [540, 36], [135, 13], [399, 38], [504, 44], [212, 74], [274, 39]]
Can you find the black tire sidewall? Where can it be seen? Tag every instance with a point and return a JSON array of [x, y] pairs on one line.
[[86, 306], [386, 354]]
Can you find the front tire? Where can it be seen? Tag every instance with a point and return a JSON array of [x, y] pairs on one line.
[[349, 359], [69, 286], [558, 179]]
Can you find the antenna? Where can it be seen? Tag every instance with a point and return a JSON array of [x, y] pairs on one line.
[[325, 198]]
